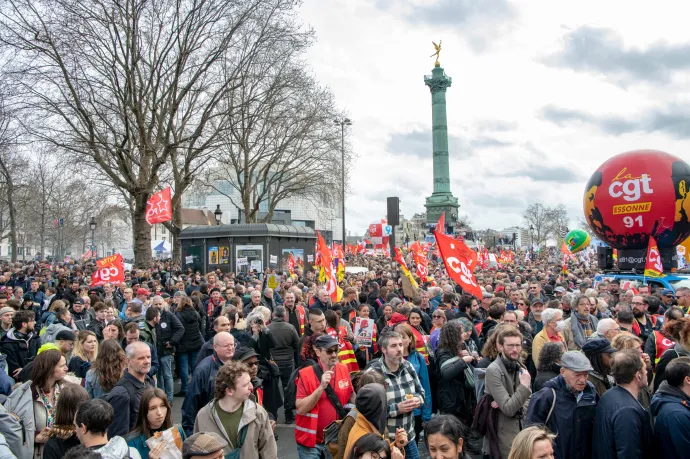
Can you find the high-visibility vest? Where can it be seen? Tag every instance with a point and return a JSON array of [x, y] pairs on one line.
[[346, 354], [662, 344], [306, 425], [420, 344], [301, 318]]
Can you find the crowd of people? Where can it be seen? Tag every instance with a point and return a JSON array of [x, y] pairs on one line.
[[544, 364]]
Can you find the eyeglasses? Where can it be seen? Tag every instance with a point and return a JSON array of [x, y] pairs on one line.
[[638, 302], [331, 351], [521, 303], [435, 316]]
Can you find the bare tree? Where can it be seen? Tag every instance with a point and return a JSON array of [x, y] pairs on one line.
[[537, 217], [558, 222], [278, 139], [11, 162], [125, 86]]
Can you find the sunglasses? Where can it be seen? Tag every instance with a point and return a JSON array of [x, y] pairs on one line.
[[331, 351]]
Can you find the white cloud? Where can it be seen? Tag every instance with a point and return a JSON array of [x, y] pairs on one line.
[[374, 54]]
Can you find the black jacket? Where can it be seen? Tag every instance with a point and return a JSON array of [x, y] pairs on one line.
[[286, 340], [200, 390], [453, 395], [19, 351], [192, 337], [81, 319], [169, 333], [125, 399], [571, 420], [672, 353]]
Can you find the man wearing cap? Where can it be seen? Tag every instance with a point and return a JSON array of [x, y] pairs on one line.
[[667, 297], [200, 390], [240, 421], [622, 427], [64, 340], [567, 404], [318, 388], [204, 445], [80, 316], [6, 315], [215, 303], [485, 305], [142, 295], [534, 316], [599, 352]]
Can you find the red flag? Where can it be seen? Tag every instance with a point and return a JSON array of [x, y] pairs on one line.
[[441, 222], [416, 247], [291, 263], [399, 258], [653, 266], [422, 265], [459, 263], [110, 269], [159, 207], [327, 265]]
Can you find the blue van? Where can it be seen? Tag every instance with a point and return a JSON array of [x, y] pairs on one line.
[[667, 281]]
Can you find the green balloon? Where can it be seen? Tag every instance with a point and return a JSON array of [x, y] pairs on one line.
[[577, 239]]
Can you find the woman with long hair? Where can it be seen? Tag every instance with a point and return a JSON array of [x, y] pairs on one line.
[[106, 370], [549, 364], [414, 319], [155, 415], [191, 341], [372, 446], [455, 391], [535, 442], [49, 368], [84, 353], [438, 320], [490, 350], [679, 331], [445, 437], [63, 435], [423, 413]]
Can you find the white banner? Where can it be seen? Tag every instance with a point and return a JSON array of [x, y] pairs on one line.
[[242, 261], [273, 259]]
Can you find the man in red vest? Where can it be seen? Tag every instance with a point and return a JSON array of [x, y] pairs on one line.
[[323, 391]]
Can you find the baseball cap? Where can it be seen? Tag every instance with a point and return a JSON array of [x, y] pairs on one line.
[[143, 291], [202, 444], [575, 361], [487, 295], [559, 289], [64, 335], [597, 346], [179, 293], [79, 300], [537, 301], [325, 342], [667, 291]]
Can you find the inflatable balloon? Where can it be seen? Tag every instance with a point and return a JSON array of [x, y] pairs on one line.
[[379, 233], [577, 239], [637, 194]]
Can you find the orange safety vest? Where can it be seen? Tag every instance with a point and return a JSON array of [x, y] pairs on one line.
[[421, 342], [346, 354], [662, 344], [306, 424]]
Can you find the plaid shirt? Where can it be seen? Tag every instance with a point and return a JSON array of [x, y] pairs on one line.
[[404, 381]]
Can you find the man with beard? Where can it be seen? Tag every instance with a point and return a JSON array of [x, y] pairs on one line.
[[509, 383], [20, 344], [317, 324], [404, 391], [295, 314], [317, 385], [643, 325], [534, 316]]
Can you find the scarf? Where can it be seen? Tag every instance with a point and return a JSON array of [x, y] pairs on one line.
[[511, 366], [576, 327]]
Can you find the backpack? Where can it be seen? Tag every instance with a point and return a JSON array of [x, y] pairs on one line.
[[290, 396], [17, 421], [332, 431]]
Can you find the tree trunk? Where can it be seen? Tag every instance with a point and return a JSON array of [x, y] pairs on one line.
[[13, 218], [175, 230], [142, 232]]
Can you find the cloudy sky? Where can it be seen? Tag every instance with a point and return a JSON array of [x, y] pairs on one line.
[[543, 92]]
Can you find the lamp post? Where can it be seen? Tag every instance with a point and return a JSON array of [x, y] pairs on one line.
[[344, 122], [218, 214], [531, 246], [92, 225]]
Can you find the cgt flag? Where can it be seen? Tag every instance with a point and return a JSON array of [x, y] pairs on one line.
[[401, 261], [328, 270], [109, 269], [460, 261], [653, 266], [159, 207]]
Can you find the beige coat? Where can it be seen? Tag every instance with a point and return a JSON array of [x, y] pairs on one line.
[[512, 399], [259, 442], [539, 340]]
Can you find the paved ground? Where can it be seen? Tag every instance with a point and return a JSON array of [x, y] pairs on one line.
[[286, 432]]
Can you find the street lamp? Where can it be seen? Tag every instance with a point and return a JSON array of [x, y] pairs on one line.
[[92, 225], [344, 122], [531, 246], [218, 213]]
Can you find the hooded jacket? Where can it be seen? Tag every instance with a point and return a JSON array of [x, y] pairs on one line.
[[671, 410], [81, 319], [116, 448], [259, 442], [19, 351], [372, 414], [571, 420], [52, 330]]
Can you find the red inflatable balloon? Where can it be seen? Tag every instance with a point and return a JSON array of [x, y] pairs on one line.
[[637, 194]]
